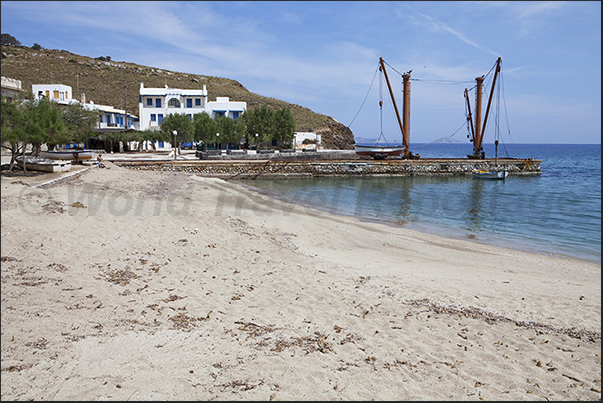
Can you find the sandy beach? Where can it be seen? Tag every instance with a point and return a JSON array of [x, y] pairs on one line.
[[129, 285]]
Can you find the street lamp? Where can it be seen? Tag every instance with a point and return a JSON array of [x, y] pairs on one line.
[[218, 141], [256, 142], [175, 133]]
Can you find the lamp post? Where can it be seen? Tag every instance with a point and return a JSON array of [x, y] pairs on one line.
[[257, 145], [218, 141], [175, 133]]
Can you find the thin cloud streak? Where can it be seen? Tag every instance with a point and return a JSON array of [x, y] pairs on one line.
[[322, 55]]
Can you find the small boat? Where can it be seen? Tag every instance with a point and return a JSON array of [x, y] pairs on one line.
[[44, 164], [69, 155], [482, 174], [377, 151]]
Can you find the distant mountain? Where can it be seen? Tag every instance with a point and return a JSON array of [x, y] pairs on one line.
[[447, 140], [364, 140]]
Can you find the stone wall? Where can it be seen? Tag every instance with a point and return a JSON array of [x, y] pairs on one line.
[[274, 169]]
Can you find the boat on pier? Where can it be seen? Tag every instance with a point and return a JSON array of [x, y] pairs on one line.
[[43, 164], [68, 155], [381, 149]]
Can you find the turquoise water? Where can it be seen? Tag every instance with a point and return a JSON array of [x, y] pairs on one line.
[[558, 212]]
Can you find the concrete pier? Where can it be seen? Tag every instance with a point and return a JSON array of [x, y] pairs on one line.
[[274, 169]]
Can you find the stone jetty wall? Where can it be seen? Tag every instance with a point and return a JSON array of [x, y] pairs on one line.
[[270, 169]]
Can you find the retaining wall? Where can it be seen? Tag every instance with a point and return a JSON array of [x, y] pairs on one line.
[[270, 169]]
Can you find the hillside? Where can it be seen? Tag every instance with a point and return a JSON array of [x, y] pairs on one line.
[[103, 83]]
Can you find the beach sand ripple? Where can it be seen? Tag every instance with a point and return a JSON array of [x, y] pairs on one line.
[[128, 285]]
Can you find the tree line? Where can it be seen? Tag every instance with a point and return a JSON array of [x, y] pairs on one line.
[[43, 122], [53, 124], [254, 126]]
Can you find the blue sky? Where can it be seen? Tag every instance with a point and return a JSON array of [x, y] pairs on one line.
[[323, 55]]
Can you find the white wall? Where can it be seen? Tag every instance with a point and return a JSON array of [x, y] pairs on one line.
[[63, 95]]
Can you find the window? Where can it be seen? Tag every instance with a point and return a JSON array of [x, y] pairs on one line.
[[157, 102], [160, 118], [189, 103], [235, 114], [173, 103], [153, 117], [197, 101], [190, 117], [149, 101]]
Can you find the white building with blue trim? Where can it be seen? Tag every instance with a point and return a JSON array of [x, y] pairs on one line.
[[154, 104], [110, 118]]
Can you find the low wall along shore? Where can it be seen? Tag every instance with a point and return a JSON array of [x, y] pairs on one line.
[[271, 169]]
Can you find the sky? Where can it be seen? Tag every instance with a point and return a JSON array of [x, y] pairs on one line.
[[324, 55]]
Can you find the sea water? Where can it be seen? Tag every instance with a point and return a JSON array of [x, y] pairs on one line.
[[557, 212]]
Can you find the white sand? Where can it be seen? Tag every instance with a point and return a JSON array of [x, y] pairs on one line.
[[167, 286]]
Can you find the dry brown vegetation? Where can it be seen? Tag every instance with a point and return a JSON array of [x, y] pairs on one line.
[[103, 81]]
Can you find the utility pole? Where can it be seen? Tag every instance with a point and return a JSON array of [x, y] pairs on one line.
[[125, 107]]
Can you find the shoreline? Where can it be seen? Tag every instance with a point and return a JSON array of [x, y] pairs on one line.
[[119, 284], [432, 229]]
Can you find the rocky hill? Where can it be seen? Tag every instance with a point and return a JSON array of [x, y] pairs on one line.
[[114, 83]]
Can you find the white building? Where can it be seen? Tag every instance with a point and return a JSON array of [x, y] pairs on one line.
[[11, 88], [111, 119], [299, 137], [154, 104], [54, 92]]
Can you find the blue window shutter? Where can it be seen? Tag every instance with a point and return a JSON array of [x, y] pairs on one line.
[[149, 101], [189, 103], [153, 117], [197, 101], [158, 102], [160, 117]]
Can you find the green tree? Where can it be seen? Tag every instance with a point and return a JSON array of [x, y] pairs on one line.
[[8, 40], [36, 46], [81, 122], [205, 128], [261, 121], [45, 124], [240, 129], [284, 124], [231, 130], [12, 131], [179, 122]]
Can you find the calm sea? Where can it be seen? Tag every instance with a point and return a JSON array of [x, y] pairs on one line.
[[558, 212]]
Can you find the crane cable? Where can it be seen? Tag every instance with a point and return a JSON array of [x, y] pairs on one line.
[[365, 97]]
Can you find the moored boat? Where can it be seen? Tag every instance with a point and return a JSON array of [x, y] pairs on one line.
[[44, 164], [378, 152], [68, 155], [482, 174]]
